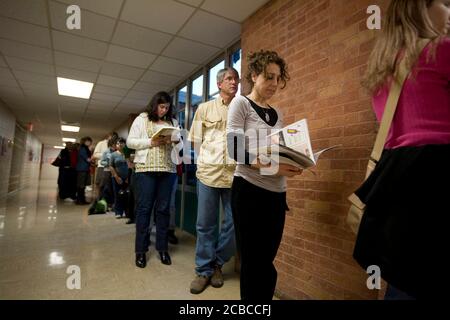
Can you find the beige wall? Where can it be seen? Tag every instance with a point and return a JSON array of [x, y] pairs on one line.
[[7, 128]]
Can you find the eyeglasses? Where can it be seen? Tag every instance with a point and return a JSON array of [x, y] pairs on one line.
[[230, 79]]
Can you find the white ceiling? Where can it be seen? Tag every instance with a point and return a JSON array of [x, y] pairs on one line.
[[130, 49]]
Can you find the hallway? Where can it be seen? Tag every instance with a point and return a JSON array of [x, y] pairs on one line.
[[40, 237]]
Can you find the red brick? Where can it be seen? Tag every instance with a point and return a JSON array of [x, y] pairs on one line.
[[326, 46]]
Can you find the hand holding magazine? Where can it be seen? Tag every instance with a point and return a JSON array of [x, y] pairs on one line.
[[292, 145], [166, 132]]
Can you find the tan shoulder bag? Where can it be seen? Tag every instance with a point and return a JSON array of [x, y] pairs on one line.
[[357, 207]]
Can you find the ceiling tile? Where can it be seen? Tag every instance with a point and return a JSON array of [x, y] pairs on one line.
[[77, 62], [106, 97], [13, 100], [40, 92], [190, 51], [36, 95], [140, 38], [171, 66], [228, 10], [24, 32], [6, 77], [147, 95], [79, 45], [149, 87], [95, 107], [35, 78], [109, 8], [115, 82], [194, 3], [10, 90], [32, 66], [220, 32], [119, 70], [2, 62], [161, 78], [99, 104], [110, 90], [71, 102], [75, 74], [92, 25], [164, 15], [127, 108], [21, 50], [129, 57], [135, 102], [98, 114], [71, 116], [33, 11]]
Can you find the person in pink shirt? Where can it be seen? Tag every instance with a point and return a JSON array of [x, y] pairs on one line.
[[404, 227]]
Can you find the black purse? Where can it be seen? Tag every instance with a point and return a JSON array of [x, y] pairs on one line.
[[57, 162]]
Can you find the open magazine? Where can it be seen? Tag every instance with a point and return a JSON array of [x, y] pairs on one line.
[[165, 132], [292, 145]]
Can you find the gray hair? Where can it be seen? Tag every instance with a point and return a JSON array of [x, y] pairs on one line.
[[222, 72]]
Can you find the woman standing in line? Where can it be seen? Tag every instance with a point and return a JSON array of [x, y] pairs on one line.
[[83, 169], [155, 172], [404, 230], [258, 200]]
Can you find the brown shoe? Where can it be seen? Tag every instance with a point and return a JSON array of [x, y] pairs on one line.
[[217, 278], [199, 284]]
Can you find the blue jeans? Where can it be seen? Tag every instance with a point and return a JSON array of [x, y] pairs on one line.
[[151, 188], [120, 203], [172, 208], [209, 251]]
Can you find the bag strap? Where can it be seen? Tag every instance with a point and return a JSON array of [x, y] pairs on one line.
[[391, 104]]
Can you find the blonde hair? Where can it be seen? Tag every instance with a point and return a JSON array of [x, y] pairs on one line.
[[406, 22]]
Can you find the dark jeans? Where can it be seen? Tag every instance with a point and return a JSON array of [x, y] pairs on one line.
[[132, 198], [107, 188], [121, 199], [259, 217], [151, 188], [82, 181]]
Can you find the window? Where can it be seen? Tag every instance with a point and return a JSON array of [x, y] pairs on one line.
[[181, 107], [213, 89], [196, 96], [236, 59]]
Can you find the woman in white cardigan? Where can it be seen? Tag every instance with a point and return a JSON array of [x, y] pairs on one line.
[[155, 173]]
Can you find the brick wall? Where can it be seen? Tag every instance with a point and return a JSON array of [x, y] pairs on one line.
[[326, 45]]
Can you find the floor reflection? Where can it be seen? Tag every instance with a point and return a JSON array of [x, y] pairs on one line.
[[41, 238]]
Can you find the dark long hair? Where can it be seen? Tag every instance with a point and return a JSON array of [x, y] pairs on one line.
[[152, 109]]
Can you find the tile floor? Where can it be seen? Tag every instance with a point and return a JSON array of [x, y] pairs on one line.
[[41, 237]]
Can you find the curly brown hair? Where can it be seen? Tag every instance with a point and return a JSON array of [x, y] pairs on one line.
[[258, 62]]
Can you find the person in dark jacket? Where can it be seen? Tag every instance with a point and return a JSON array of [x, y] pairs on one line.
[[67, 174], [83, 166]]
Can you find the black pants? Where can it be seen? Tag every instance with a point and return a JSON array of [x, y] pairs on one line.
[[67, 183], [259, 217], [82, 181]]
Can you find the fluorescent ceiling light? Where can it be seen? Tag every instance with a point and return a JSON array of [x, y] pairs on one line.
[[69, 140], [58, 147], [70, 128], [74, 88]]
